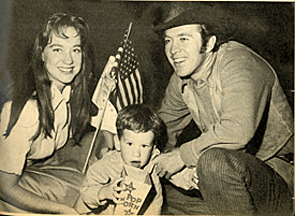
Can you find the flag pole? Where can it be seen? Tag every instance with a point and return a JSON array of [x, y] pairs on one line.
[[96, 131], [129, 30], [102, 113]]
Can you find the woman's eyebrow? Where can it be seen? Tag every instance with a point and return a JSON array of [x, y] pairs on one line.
[[55, 45]]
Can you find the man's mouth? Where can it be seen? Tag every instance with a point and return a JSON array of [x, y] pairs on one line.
[[178, 61]]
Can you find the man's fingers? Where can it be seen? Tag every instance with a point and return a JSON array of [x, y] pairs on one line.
[[162, 173], [156, 160], [158, 169], [168, 175]]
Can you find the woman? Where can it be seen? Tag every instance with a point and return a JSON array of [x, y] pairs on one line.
[[45, 112]]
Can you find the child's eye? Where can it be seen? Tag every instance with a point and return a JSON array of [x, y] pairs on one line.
[[145, 146], [129, 143]]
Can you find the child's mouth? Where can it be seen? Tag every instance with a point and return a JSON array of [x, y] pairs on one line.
[[135, 164]]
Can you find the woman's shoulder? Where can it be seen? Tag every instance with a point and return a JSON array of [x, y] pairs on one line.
[[29, 115]]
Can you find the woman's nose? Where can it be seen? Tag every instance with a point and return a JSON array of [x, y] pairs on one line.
[[67, 58]]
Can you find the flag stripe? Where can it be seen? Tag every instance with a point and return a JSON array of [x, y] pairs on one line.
[[139, 85], [124, 90], [135, 93], [121, 93], [130, 87]]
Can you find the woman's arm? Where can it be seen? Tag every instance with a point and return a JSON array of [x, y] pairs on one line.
[[21, 198]]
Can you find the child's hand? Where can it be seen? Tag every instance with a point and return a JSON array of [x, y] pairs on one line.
[[111, 192]]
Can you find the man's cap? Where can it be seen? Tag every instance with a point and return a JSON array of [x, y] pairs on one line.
[[212, 15]]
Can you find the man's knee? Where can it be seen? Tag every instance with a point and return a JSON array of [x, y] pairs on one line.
[[216, 162]]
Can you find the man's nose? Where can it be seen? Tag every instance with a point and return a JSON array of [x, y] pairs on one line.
[[174, 47], [67, 58]]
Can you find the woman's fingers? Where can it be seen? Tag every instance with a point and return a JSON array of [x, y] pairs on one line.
[[109, 82]]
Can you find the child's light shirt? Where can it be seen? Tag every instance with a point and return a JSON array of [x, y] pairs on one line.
[[110, 168], [18, 146]]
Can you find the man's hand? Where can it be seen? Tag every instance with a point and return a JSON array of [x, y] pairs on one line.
[[169, 163]]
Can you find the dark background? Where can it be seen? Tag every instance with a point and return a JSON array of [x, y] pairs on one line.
[[267, 27]]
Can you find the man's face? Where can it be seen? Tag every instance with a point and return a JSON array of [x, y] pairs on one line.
[[63, 58], [136, 148], [183, 49]]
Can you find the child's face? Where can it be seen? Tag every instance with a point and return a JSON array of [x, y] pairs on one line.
[[136, 148]]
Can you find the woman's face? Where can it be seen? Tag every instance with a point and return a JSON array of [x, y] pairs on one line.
[[63, 58]]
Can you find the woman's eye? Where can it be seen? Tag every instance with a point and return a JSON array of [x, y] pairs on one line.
[[57, 50], [145, 146], [77, 50], [130, 144]]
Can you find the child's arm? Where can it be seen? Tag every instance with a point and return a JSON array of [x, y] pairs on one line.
[[99, 184]]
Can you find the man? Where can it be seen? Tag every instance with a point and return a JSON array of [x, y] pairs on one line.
[[242, 156]]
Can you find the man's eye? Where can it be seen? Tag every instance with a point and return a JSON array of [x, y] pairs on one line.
[[167, 41], [183, 39]]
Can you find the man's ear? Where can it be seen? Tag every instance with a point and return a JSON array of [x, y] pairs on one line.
[[211, 44]]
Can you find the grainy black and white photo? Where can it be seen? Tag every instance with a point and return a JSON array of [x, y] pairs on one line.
[[146, 107]]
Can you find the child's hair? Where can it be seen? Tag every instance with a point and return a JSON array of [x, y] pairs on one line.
[[138, 118]]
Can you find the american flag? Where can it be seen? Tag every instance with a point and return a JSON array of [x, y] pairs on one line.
[[128, 91], [129, 88]]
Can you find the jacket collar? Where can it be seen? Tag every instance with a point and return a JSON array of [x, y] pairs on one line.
[[205, 71]]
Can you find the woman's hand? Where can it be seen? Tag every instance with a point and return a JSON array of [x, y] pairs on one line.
[[108, 73]]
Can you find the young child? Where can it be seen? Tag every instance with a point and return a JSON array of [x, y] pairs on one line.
[[138, 130]]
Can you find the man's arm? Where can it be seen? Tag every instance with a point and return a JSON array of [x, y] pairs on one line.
[[174, 111], [246, 83]]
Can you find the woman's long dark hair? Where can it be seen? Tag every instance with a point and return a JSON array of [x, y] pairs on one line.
[[38, 80]]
